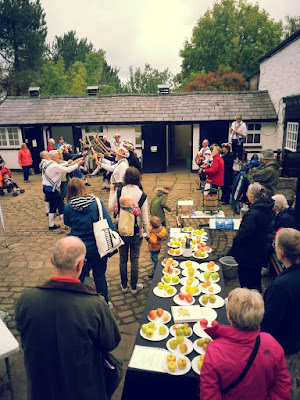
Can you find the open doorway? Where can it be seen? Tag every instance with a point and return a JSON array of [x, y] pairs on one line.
[[180, 145], [214, 131]]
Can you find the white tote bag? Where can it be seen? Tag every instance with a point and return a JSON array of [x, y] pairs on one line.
[[107, 240]]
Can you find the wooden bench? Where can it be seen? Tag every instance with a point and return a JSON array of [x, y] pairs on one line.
[[275, 264]]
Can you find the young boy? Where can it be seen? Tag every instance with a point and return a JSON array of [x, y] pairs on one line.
[[159, 204], [156, 233]]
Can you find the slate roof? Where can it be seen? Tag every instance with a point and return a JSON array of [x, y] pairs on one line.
[[122, 109]]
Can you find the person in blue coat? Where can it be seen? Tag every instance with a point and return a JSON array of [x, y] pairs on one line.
[[80, 213]]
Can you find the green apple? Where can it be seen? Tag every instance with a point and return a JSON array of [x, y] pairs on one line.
[[187, 331], [160, 285], [170, 290], [167, 278], [181, 362], [149, 332], [162, 330], [200, 363], [202, 357], [179, 332], [173, 343], [172, 366], [215, 276], [175, 279], [186, 325], [200, 342], [151, 325], [179, 339], [144, 327], [206, 275]]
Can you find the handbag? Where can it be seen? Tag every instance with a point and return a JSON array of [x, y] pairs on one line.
[[107, 240], [112, 373], [246, 369]]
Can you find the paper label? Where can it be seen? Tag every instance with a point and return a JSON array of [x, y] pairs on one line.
[[148, 358]]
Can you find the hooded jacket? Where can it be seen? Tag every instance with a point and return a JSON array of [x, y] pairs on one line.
[[80, 214], [249, 246], [155, 237], [215, 172], [268, 177], [267, 379], [24, 157], [159, 204]]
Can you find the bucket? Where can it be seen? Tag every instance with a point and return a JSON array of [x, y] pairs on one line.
[[229, 267], [188, 162]]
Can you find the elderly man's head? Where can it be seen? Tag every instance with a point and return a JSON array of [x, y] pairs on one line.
[[287, 245], [68, 256], [44, 155], [280, 202], [245, 309], [54, 155], [205, 143], [51, 141]]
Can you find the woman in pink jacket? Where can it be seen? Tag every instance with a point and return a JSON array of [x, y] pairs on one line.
[[25, 160], [231, 349]]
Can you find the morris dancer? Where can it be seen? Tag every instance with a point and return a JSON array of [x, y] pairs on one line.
[[51, 184]]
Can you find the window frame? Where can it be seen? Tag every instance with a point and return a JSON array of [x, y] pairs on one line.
[[253, 132], [8, 145], [293, 141]]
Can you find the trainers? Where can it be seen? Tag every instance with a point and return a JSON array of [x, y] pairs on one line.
[[150, 275], [110, 305], [87, 184], [124, 290], [139, 287], [51, 228]]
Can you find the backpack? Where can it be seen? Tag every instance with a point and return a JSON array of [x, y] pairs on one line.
[[127, 222]]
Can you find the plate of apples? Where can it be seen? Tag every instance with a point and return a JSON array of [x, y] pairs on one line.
[[183, 299], [210, 266], [190, 280], [189, 273], [164, 290], [188, 264], [199, 254], [159, 316], [154, 332], [180, 344], [181, 330], [171, 271], [177, 364], [172, 280], [197, 363], [211, 300], [207, 275], [202, 247], [210, 288], [200, 345], [175, 252], [193, 290], [204, 323], [169, 262]]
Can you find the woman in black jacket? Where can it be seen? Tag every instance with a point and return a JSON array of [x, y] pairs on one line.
[[133, 160], [249, 247], [228, 173]]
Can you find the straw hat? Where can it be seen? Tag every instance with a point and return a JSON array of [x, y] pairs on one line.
[[122, 151]]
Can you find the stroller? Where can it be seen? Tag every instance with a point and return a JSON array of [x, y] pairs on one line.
[[241, 184], [6, 183]]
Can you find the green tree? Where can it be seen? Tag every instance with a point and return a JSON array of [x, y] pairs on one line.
[[53, 78], [146, 81], [109, 81], [71, 48], [77, 79], [94, 66], [222, 79], [234, 34], [22, 42], [291, 26]]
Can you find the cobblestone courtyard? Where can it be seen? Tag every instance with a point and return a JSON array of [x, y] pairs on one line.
[[26, 262]]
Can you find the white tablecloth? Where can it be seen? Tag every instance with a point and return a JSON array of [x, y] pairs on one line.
[[8, 343]]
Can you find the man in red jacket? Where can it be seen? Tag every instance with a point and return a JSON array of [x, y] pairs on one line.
[[215, 171]]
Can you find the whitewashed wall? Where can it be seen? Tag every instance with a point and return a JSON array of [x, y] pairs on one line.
[[11, 158], [280, 75], [196, 138], [126, 131]]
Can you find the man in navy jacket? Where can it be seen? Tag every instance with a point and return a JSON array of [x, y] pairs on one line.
[[282, 301]]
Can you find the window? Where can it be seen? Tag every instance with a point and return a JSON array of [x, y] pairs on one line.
[[93, 128], [10, 137], [254, 134], [291, 136]]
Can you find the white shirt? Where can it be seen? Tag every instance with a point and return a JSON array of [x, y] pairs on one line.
[[118, 170], [54, 170], [205, 152], [241, 127]]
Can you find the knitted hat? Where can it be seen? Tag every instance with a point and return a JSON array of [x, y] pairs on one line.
[[268, 154], [122, 151]]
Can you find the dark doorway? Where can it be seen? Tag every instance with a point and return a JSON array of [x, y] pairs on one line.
[[214, 131], [33, 137], [76, 136], [154, 148]]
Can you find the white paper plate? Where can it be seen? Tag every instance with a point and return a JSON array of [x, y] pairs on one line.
[[196, 273], [195, 365], [200, 258], [195, 247], [194, 283], [156, 336], [176, 255], [178, 370], [215, 286], [199, 349], [194, 264], [218, 304], [163, 293], [182, 302], [182, 290], [173, 246], [190, 232], [203, 267], [201, 277], [171, 283], [174, 264], [159, 320], [173, 332], [176, 271], [189, 344]]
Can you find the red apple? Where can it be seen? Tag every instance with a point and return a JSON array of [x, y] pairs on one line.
[[170, 270], [181, 362], [152, 314], [181, 296], [171, 357], [214, 323], [189, 298], [203, 323], [159, 312]]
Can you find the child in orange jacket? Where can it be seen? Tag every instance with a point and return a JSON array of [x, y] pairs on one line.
[[156, 233]]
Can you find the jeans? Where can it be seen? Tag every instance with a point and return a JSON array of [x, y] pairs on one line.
[[26, 172], [293, 364], [154, 259], [98, 266], [250, 277], [131, 244]]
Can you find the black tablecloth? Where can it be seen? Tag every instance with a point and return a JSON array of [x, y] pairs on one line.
[[143, 385]]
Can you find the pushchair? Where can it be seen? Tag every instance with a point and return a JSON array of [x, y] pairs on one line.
[[6, 183], [241, 184]]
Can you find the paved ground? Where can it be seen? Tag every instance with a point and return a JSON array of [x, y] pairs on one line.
[[26, 261]]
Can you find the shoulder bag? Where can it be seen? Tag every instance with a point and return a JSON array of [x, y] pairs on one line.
[[107, 240]]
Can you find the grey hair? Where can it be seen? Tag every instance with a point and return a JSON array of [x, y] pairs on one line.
[[104, 137], [52, 153], [280, 201], [51, 140], [257, 190], [43, 153], [68, 252], [288, 241]]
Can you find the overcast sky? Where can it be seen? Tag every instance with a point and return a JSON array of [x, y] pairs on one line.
[[135, 32]]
